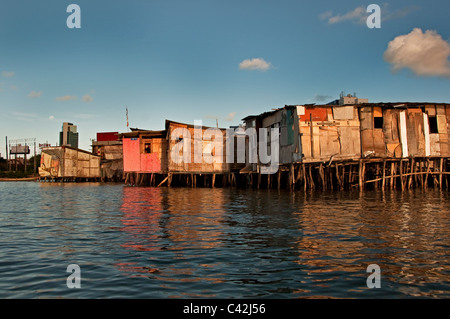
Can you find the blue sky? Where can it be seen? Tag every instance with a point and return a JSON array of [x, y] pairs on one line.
[[185, 60]]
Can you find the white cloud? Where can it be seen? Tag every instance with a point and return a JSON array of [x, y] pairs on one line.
[[424, 53], [400, 13], [66, 98], [230, 117], [51, 117], [255, 64], [325, 15], [8, 74], [359, 15], [87, 98], [34, 94]]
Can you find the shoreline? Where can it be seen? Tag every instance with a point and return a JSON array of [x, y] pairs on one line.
[[20, 179]]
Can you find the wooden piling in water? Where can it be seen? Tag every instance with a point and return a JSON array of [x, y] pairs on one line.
[[371, 173]]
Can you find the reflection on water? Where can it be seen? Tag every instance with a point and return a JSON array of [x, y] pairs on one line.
[[135, 242]]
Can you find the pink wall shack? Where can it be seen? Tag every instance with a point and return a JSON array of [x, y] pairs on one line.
[[135, 161]]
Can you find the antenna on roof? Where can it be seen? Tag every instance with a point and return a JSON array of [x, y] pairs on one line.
[[127, 119]]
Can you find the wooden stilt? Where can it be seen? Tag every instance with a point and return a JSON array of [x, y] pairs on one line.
[[279, 178], [169, 180], [304, 177], [259, 180], [401, 174], [313, 186], [392, 174], [361, 185], [412, 176], [291, 177], [350, 174], [338, 180], [322, 177], [426, 174], [421, 171], [163, 181]]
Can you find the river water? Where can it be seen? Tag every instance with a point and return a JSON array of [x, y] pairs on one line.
[[132, 242]]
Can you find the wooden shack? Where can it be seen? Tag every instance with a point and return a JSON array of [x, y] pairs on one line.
[[312, 133], [64, 162], [329, 132], [144, 151], [401, 130], [110, 149], [204, 156]]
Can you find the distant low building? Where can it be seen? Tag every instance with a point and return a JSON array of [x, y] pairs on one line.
[[64, 162]]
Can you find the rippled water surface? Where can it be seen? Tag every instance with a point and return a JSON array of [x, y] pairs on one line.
[[135, 242]]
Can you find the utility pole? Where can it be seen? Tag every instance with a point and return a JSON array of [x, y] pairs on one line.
[[34, 172], [7, 157], [25, 158]]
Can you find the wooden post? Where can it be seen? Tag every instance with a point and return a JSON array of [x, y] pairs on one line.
[[441, 163], [350, 174], [304, 176], [392, 174], [313, 186], [338, 179], [279, 178], [291, 177], [384, 175], [433, 175], [412, 171], [401, 173], [165, 179], [312, 136], [169, 180], [361, 185], [213, 181], [322, 177], [421, 171], [330, 177], [259, 180]]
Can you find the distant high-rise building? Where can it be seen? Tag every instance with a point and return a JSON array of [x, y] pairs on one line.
[[69, 135]]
